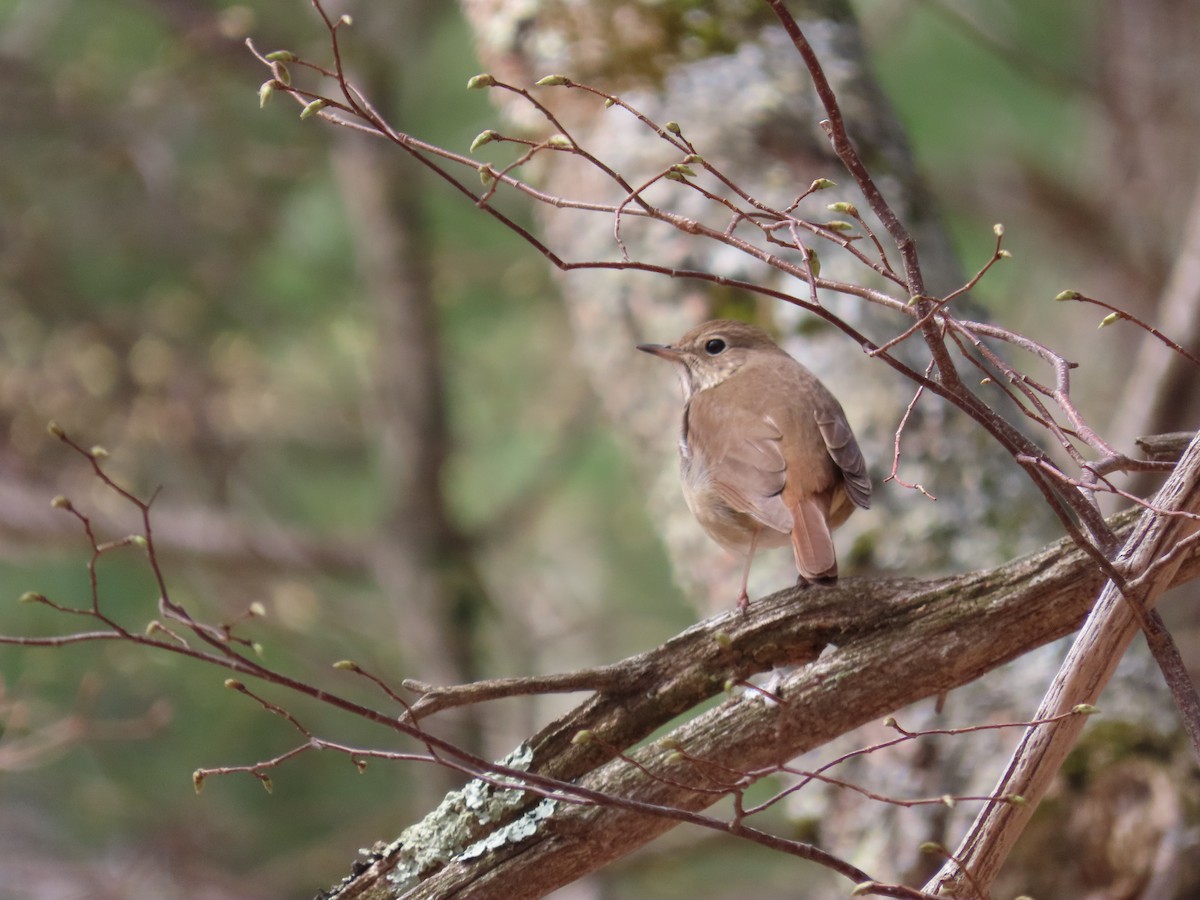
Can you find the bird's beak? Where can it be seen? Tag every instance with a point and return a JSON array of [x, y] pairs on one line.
[[666, 351]]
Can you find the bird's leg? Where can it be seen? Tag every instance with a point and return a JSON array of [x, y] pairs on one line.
[[743, 600]]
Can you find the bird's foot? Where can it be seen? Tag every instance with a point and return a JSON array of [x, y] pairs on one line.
[[743, 602]]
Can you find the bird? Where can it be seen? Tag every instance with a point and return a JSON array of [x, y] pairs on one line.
[[766, 454]]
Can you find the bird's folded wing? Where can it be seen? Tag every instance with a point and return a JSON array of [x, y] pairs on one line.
[[843, 449], [743, 456]]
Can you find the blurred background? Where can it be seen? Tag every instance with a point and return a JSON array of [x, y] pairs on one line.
[[363, 404]]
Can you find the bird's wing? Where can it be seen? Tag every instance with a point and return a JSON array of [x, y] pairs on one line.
[[843, 449], [741, 452]]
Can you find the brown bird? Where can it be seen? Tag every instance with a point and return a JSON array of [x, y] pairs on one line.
[[766, 454]]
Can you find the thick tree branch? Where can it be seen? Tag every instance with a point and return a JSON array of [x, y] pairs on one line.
[[896, 642]]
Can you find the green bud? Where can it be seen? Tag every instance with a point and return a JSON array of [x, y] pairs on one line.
[[998, 229], [841, 206], [265, 92], [346, 20], [670, 743], [822, 184], [98, 452], [674, 758], [281, 56], [139, 540], [674, 128], [60, 502], [582, 737], [724, 641], [483, 80], [553, 81], [484, 137], [985, 381], [889, 722], [932, 847], [361, 765], [560, 142], [346, 665], [234, 685], [683, 170], [313, 108], [487, 176], [1109, 319], [258, 649], [31, 597], [265, 780], [610, 103], [1015, 799], [1004, 254], [1085, 709], [56, 430], [198, 780], [674, 176], [1068, 295], [258, 610], [947, 801], [839, 225]]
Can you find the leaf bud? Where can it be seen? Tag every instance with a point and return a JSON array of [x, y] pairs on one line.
[[313, 108], [484, 137], [483, 80]]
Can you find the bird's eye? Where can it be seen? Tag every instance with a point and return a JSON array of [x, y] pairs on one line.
[[715, 346]]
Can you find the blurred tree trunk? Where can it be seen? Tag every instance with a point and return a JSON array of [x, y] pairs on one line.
[[740, 92], [423, 565]]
